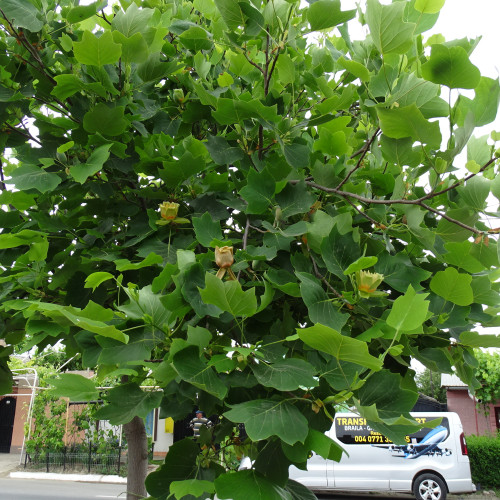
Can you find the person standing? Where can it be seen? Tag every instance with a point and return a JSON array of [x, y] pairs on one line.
[[198, 421]]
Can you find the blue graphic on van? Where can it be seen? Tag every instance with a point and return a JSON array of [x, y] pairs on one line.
[[429, 445]]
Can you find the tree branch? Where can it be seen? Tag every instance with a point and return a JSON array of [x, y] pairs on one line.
[[419, 201], [322, 278], [27, 135], [363, 151]]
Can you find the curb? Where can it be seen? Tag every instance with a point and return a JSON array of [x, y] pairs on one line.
[[84, 478]]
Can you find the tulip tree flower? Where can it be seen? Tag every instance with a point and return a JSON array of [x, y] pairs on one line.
[[224, 259], [367, 284], [168, 212]]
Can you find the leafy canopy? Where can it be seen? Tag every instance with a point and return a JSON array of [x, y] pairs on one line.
[[316, 230]]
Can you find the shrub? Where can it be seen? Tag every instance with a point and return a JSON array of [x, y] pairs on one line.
[[484, 454]]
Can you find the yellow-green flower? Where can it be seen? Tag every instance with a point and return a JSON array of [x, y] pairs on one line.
[[224, 257], [168, 210], [367, 284]]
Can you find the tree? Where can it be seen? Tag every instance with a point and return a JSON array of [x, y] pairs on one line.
[[488, 375], [429, 383], [241, 205]]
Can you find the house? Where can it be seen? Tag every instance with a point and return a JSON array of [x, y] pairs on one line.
[[475, 418]]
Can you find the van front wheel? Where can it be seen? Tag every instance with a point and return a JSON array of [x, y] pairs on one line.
[[429, 487]]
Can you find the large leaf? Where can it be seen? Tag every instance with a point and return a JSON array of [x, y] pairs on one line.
[[105, 120], [74, 386], [386, 405], [319, 304], [259, 191], [450, 66], [408, 311], [128, 401], [81, 172], [31, 177], [339, 251], [132, 21], [239, 485], [231, 12], [229, 296], [180, 465], [97, 51], [387, 28], [22, 14], [344, 348], [453, 286], [207, 229], [286, 375], [326, 14], [191, 368], [264, 418], [408, 121]]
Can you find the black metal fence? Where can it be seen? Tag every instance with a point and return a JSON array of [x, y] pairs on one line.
[[88, 459]]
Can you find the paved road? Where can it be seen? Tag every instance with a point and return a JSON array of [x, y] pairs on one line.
[[34, 489]]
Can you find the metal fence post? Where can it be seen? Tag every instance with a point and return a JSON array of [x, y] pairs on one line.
[[119, 458], [90, 453], [47, 461], [64, 458]]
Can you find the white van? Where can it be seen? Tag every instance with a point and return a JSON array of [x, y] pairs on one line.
[[434, 462]]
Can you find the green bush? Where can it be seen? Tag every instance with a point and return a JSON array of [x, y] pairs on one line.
[[484, 454]]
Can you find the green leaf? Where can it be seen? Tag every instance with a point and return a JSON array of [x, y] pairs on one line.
[[344, 348], [231, 13], [450, 66], [286, 375], [23, 14], [97, 51], [192, 369], [259, 191], [105, 120], [326, 14], [408, 121], [475, 339], [408, 311], [387, 28], [95, 163], [429, 6], [194, 487], [238, 486], [354, 67], [73, 386], [399, 271], [31, 177], [286, 69], [207, 230], [230, 111], [180, 465], [125, 265], [386, 405], [475, 192], [319, 305], [264, 418], [222, 152], [339, 252], [295, 199], [133, 20], [453, 286], [81, 12], [361, 263], [459, 255], [23, 237], [176, 172], [77, 318], [128, 401], [95, 279], [229, 296], [195, 39], [134, 48]]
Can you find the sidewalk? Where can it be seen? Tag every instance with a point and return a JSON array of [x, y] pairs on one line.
[[8, 462], [9, 467]]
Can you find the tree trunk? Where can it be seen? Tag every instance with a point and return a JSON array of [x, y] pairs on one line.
[[137, 442]]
